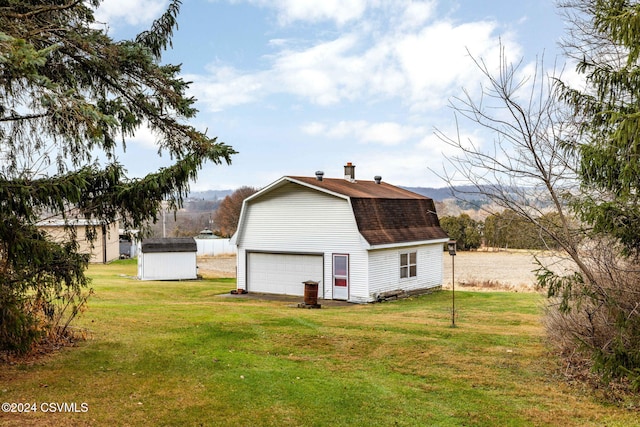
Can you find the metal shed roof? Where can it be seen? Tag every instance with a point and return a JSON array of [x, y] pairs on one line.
[[169, 244]]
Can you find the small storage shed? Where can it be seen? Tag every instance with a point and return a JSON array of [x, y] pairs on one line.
[[172, 258]]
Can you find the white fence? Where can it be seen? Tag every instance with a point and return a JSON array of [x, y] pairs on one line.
[[215, 247]]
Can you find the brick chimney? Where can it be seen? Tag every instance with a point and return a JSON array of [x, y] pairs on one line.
[[350, 172]]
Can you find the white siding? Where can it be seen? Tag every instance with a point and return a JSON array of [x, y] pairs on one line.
[[215, 246], [384, 269], [282, 273], [167, 266], [297, 219]]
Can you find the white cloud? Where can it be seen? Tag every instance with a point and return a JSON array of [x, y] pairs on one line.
[[361, 131], [422, 63], [313, 128], [144, 138], [417, 14], [437, 147], [572, 78], [347, 130], [226, 87], [325, 74], [436, 61], [409, 166], [420, 162], [389, 133], [338, 11], [133, 12]]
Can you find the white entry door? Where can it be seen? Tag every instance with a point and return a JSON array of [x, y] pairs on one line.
[[340, 277]]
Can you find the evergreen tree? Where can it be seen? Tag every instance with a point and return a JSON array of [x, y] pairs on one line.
[[607, 46], [464, 230], [69, 95], [605, 41]]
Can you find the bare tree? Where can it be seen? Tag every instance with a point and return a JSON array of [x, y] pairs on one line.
[[527, 168], [228, 213], [533, 168]]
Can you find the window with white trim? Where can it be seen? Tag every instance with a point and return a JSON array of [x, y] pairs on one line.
[[408, 265]]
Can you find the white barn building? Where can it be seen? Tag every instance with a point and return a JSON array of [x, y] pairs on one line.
[[359, 239]]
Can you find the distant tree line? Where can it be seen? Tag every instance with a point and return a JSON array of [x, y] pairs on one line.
[[506, 229], [227, 215]]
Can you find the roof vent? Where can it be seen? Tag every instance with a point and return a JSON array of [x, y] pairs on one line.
[[350, 172], [377, 179], [319, 175]]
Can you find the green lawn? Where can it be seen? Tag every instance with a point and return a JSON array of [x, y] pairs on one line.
[[178, 353]]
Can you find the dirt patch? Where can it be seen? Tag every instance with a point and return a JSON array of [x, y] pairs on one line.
[[216, 267], [499, 270]]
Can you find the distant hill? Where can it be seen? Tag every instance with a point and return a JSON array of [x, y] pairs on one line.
[[209, 194], [437, 194], [463, 192]]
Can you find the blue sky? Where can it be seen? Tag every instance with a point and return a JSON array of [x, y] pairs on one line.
[[297, 86]]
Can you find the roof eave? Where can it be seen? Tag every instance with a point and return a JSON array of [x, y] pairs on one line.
[[73, 222], [371, 247]]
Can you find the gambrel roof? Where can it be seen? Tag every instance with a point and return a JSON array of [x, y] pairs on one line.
[[385, 214]]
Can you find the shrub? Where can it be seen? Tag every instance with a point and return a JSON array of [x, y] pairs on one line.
[[598, 320]]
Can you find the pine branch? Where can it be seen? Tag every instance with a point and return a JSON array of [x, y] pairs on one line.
[[15, 117], [39, 10], [159, 36]]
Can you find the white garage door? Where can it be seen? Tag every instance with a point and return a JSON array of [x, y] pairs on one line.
[[282, 273]]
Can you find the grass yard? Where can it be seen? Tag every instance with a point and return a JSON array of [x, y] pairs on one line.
[[178, 353]]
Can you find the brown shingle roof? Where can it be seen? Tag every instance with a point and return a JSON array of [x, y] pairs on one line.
[[387, 221], [360, 188], [386, 214]]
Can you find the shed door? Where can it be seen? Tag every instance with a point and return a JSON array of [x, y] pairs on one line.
[[282, 273]]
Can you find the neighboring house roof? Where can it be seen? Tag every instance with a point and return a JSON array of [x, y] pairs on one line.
[[385, 214], [72, 218], [207, 234], [169, 244], [74, 222]]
